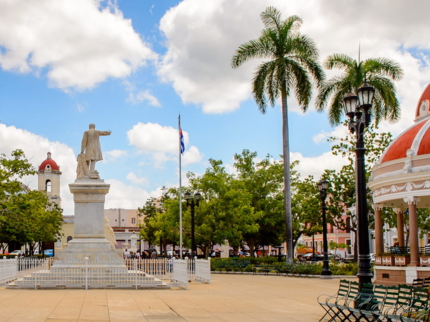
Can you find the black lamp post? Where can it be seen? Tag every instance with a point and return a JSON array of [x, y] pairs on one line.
[[357, 109], [322, 187], [192, 202]]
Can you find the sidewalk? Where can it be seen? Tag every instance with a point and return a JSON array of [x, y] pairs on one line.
[[232, 298]]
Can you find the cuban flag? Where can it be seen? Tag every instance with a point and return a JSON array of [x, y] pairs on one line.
[[181, 138]]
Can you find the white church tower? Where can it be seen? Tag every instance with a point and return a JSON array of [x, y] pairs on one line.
[[49, 179]]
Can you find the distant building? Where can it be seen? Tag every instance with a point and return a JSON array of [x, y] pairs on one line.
[[49, 179]]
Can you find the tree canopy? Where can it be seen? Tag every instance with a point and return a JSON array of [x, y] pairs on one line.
[[26, 216]]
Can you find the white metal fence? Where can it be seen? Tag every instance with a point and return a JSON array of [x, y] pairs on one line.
[[180, 272], [203, 270], [8, 270], [131, 273]]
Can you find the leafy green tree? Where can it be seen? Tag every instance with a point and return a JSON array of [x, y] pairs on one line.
[[306, 205], [26, 216], [335, 246], [149, 212], [378, 72], [293, 63], [224, 212], [264, 182], [341, 193]]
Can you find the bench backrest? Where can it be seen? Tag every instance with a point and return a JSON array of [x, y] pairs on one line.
[[391, 297], [343, 288], [420, 300]]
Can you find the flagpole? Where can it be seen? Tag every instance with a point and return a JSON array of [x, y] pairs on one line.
[[180, 189]]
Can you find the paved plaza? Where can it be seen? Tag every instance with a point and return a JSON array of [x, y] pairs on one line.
[[232, 298]]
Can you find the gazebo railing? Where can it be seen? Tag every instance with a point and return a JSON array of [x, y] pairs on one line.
[[407, 250]]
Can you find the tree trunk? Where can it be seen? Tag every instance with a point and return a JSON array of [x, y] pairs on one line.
[[287, 184], [251, 249]]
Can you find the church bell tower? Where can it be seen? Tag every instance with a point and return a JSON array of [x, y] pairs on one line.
[[49, 179]]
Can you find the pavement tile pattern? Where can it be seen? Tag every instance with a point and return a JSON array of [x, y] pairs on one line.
[[229, 298]]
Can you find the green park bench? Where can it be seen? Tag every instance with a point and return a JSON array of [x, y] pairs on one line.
[[376, 303]]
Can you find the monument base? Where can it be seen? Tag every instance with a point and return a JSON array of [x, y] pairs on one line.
[[96, 249]]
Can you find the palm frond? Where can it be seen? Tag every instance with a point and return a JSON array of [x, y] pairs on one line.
[[326, 90], [386, 97], [340, 61], [264, 71], [336, 108], [301, 83], [383, 67], [258, 48], [271, 18]]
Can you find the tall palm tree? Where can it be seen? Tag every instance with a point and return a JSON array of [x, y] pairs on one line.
[[378, 72], [292, 65]]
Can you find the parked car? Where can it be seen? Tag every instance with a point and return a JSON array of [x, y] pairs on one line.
[[313, 257], [49, 252], [348, 259], [17, 253]]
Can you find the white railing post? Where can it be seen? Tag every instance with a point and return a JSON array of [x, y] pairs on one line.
[[135, 271], [86, 273]]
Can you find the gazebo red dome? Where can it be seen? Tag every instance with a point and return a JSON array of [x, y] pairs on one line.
[[415, 139], [49, 161]]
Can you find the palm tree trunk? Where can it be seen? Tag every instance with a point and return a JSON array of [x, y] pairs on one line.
[[287, 183]]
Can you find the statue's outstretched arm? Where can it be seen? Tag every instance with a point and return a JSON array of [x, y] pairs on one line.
[[104, 133]]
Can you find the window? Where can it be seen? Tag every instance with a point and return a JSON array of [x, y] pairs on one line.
[[48, 185], [133, 220]]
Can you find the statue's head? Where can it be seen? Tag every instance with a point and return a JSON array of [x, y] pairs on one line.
[[92, 126]]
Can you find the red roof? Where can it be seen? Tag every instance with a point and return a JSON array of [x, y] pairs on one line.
[[417, 137], [49, 161], [403, 143]]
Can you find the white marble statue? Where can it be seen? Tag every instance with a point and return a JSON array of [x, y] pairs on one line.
[[91, 152]]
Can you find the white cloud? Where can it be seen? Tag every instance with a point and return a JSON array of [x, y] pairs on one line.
[[115, 154], [80, 107], [315, 166], [162, 142], [36, 148], [134, 179], [77, 42], [198, 56], [191, 155], [127, 197], [338, 132], [136, 98]]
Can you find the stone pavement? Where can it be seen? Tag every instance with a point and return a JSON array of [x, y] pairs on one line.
[[232, 298]]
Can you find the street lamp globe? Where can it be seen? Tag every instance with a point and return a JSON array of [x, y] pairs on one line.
[[350, 103], [365, 95]]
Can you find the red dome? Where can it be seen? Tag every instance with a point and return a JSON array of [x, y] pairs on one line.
[[416, 139], [49, 161]]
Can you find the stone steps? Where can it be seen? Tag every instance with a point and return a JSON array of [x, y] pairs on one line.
[[102, 279]]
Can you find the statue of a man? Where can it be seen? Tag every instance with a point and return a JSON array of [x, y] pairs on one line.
[[91, 152]]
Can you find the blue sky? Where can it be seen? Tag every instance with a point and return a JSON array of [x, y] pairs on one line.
[[132, 66]]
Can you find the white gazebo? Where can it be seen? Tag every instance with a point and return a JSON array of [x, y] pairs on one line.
[[401, 180]]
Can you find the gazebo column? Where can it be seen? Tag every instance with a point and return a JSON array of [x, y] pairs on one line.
[[400, 227], [379, 235], [413, 230]]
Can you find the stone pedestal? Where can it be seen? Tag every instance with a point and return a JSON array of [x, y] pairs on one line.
[[89, 236]]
